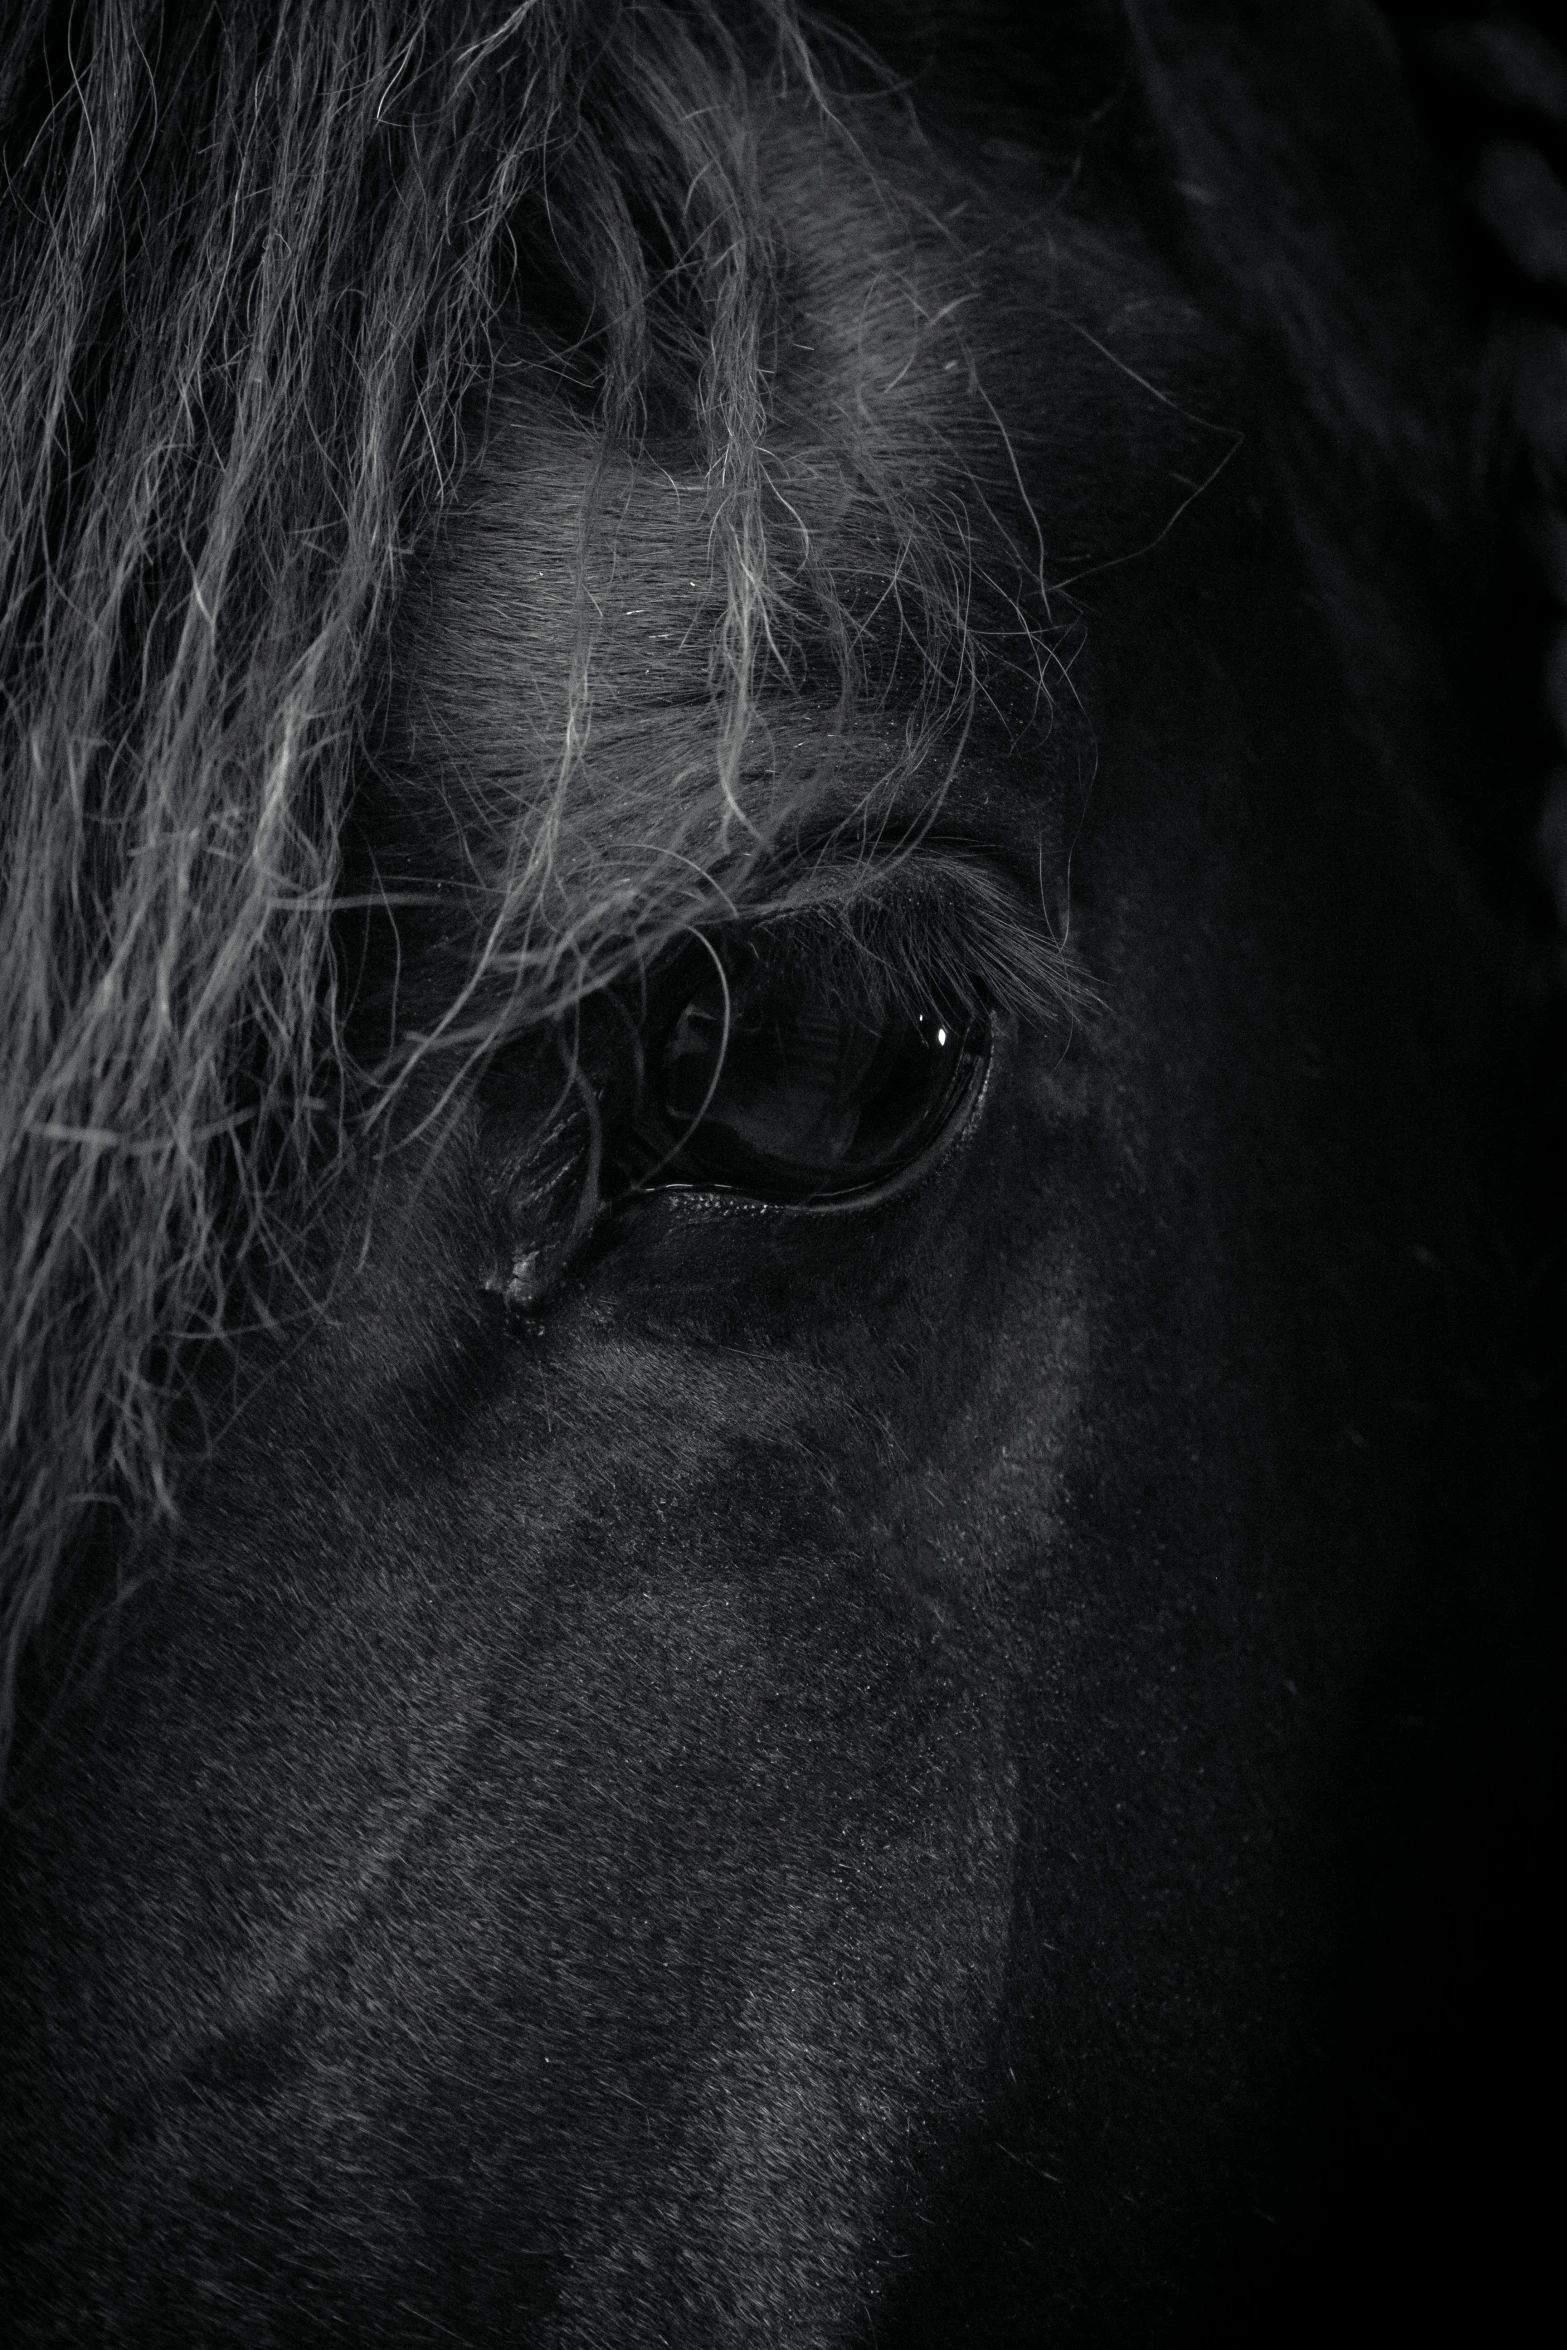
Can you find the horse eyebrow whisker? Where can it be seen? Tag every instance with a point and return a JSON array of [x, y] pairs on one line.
[[939, 918]]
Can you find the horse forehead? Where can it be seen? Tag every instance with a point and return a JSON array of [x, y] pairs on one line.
[[560, 530], [579, 593], [566, 626], [574, 557]]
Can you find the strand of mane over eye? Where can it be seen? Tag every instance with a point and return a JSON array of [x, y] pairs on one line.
[[251, 267]]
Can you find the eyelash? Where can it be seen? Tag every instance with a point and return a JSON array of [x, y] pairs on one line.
[[897, 935]]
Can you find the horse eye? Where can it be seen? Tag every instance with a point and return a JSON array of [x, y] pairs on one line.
[[774, 1080]]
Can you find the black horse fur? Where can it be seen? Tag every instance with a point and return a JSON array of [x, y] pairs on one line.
[[604, 1762]]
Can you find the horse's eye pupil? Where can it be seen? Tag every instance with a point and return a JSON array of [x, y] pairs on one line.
[[772, 1080]]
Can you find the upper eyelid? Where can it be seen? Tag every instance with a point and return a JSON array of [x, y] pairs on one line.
[[947, 907]]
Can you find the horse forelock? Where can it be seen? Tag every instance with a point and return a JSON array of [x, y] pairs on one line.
[[254, 265]]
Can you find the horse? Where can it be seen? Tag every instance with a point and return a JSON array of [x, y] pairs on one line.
[[763, 1141]]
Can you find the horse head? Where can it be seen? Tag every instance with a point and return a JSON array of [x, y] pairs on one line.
[[766, 1144]]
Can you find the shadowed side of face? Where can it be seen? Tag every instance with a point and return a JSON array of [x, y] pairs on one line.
[[616, 1809]]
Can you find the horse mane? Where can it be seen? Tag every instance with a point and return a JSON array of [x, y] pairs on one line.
[[1493, 87]]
